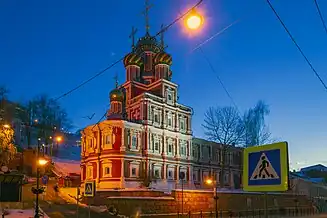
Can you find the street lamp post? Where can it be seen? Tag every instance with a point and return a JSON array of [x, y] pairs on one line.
[[38, 190], [37, 181], [215, 194]]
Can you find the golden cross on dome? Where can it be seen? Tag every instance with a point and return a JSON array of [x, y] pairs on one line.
[[116, 80], [146, 15], [132, 36], [162, 31]]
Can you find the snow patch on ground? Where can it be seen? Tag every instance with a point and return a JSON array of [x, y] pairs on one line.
[[21, 213]]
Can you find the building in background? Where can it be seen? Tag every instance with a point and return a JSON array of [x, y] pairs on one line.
[[147, 136]]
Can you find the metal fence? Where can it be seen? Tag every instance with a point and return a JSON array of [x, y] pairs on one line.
[[272, 213]]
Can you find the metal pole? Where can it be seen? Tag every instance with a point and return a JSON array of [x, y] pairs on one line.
[[182, 197], [88, 202], [77, 200], [265, 205], [216, 201], [37, 181]]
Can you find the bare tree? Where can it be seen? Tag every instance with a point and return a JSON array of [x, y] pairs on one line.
[[224, 126], [256, 131], [227, 127]]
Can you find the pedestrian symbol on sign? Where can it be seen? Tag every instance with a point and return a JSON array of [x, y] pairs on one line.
[[89, 189], [264, 169]]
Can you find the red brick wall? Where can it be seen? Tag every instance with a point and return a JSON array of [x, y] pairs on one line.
[[155, 202]]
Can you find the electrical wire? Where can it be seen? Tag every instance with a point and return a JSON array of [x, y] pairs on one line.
[[98, 74], [122, 58], [219, 79], [297, 45], [320, 15]]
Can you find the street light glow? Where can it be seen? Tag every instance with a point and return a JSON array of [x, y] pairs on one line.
[[194, 20], [209, 181], [58, 138], [42, 162], [6, 126]]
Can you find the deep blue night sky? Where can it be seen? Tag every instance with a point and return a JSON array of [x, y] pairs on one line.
[[52, 46]]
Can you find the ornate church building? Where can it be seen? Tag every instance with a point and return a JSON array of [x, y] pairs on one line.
[[147, 134]]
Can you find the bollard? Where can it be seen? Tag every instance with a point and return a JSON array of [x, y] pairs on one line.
[[189, 214], [201, 214]]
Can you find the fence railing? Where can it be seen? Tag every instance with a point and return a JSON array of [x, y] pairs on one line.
[[257, 213]]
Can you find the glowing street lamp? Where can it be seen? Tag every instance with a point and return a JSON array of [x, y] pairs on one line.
[[215, 194], [209, 181], [6, 126], [194, 20], [42, 162], [58, 139]]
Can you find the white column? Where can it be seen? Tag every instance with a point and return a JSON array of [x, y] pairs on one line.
[[177, 173], [122, 146], [98, 173], [122, 176], [177, 146], [164, 146], [164, 171], [190, 175], [98, 141]]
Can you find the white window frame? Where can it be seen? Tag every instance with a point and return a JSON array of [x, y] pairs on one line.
[[89, 172], [105, 165], [134, 165], [157, 168], [107, 136], [156, 114], [170, 144], [183, 148], [170, 93], [184, 170], [156, 141], [195, 175], [134, 146], [172, 170], [182, 121], [170, 118]]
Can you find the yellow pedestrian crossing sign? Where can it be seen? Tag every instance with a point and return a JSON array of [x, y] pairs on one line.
[[89, 189], [264, 169]]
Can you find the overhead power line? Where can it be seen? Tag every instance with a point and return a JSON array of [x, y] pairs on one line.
[[122, 58], [219, 79], [320, 15], [101, 72], [297, 45]]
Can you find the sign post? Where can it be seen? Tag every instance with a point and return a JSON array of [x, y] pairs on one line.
[[89, 191], [266, 169]]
